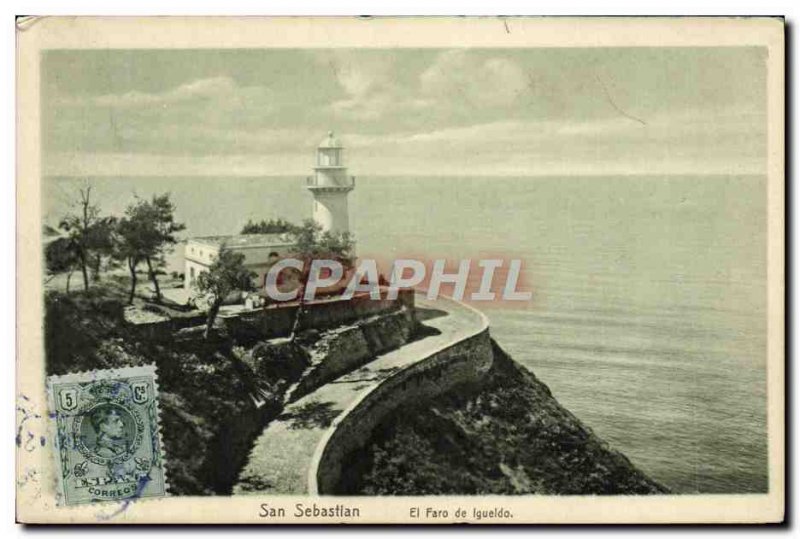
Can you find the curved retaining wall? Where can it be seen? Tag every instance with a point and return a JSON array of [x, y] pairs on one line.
[[350, 348], [465, 358]]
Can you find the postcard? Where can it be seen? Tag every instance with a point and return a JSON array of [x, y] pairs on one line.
[[489, 270]]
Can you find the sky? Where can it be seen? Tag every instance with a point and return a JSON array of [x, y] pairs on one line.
[[521, 112]]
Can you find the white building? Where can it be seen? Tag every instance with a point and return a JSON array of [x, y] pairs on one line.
[[329, 186], [261, 251]]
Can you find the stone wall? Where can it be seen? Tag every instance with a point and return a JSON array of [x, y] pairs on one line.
[[166, 329], [462, 362], [347, 348], [276, 321]]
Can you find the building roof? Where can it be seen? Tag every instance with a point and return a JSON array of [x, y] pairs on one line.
[[243, 241], [330, 142]]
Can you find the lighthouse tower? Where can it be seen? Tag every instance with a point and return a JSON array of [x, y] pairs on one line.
[[330, 185]]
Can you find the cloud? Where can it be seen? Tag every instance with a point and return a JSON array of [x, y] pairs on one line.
[[209, 114], [459, 74], [363, 107], [456, 81], [355, 79], [208, 88], [202, 139], [367, 81], [691, 142], [160, 165]]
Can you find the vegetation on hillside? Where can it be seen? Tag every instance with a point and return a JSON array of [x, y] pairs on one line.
[[61, 256], [226, 275], [208, 418], [314, 244], [273, 226]]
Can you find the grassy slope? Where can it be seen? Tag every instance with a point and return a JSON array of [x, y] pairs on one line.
[[509, 436]]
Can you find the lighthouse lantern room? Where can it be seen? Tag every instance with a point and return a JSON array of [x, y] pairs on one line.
[[330, 186]]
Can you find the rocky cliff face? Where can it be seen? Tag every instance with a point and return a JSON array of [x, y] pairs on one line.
[[506, 436]]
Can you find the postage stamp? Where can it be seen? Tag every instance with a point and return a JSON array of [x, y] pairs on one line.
[[108, 443]]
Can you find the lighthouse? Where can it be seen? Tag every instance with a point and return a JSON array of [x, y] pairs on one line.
[[330, 186]]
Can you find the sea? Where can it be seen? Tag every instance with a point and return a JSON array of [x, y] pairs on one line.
[[648, 314]]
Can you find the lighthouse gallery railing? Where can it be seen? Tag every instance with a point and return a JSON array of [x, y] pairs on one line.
[[347, 181]]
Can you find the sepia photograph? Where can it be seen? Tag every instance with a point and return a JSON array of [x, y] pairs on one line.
[[334, 277]]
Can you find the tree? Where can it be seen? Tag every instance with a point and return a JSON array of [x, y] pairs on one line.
[[61, 256], [273, 226], [101, 242], [314, 244], [226, 274], [88, 233], [130, 244], [159, 214], [144, 235]]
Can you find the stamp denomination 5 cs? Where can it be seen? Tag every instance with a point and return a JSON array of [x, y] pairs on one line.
[[107, 435]]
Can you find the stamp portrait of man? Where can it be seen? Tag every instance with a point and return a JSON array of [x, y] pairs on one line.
[[111, 436]]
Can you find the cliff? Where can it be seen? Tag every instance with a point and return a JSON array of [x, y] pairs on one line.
[[507, 435], [422, 414]]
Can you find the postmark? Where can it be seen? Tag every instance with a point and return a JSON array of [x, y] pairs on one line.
[[108, 445]]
